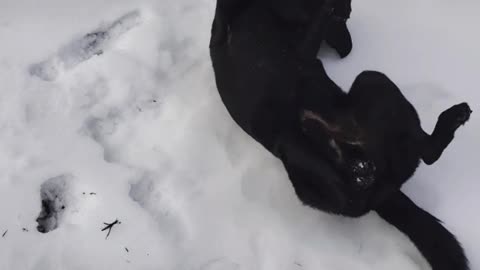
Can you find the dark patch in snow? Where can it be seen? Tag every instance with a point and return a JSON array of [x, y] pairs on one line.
[[25, 230], [53, 196], [5, 233]]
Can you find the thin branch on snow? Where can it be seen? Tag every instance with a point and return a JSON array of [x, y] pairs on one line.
[[110, 226]]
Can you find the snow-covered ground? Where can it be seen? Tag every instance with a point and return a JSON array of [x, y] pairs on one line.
[[131, 128]]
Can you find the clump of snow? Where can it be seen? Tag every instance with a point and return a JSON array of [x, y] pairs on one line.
[[148, 141]]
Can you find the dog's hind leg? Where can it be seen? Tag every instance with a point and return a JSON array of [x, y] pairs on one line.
[[371, 86], [448, 122], [439, 247]]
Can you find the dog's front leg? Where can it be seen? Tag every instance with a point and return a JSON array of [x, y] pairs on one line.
[[329, 24], [316, 32]]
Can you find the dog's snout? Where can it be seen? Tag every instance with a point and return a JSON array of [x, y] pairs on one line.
[[363, 173], [362, 167], [364, 181]]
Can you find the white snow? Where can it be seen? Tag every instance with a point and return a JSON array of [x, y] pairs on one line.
[[141, 127]]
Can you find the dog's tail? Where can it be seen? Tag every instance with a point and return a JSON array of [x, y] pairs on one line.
[[439, 247]]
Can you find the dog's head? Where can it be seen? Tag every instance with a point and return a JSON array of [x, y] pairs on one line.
[[343, 144], [342, 149]]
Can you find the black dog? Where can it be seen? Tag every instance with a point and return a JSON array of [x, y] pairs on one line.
[[344, 153]]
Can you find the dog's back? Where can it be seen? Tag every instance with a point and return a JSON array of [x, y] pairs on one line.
[[258, 70]]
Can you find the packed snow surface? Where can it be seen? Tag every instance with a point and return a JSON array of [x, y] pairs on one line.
[[108, 110]]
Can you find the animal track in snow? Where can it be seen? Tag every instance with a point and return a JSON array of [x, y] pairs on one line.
[[162, 203], [53, 193], [99, 129], [84, 48]]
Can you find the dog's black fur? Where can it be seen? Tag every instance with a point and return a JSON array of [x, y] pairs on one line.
[[344, 153]]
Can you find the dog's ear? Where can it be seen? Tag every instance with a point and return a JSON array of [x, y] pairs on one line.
[[338, 37], [343, 130], [322, 135]]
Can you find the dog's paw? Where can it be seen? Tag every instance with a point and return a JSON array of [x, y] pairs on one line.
[[339, 38], [455, 116]]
